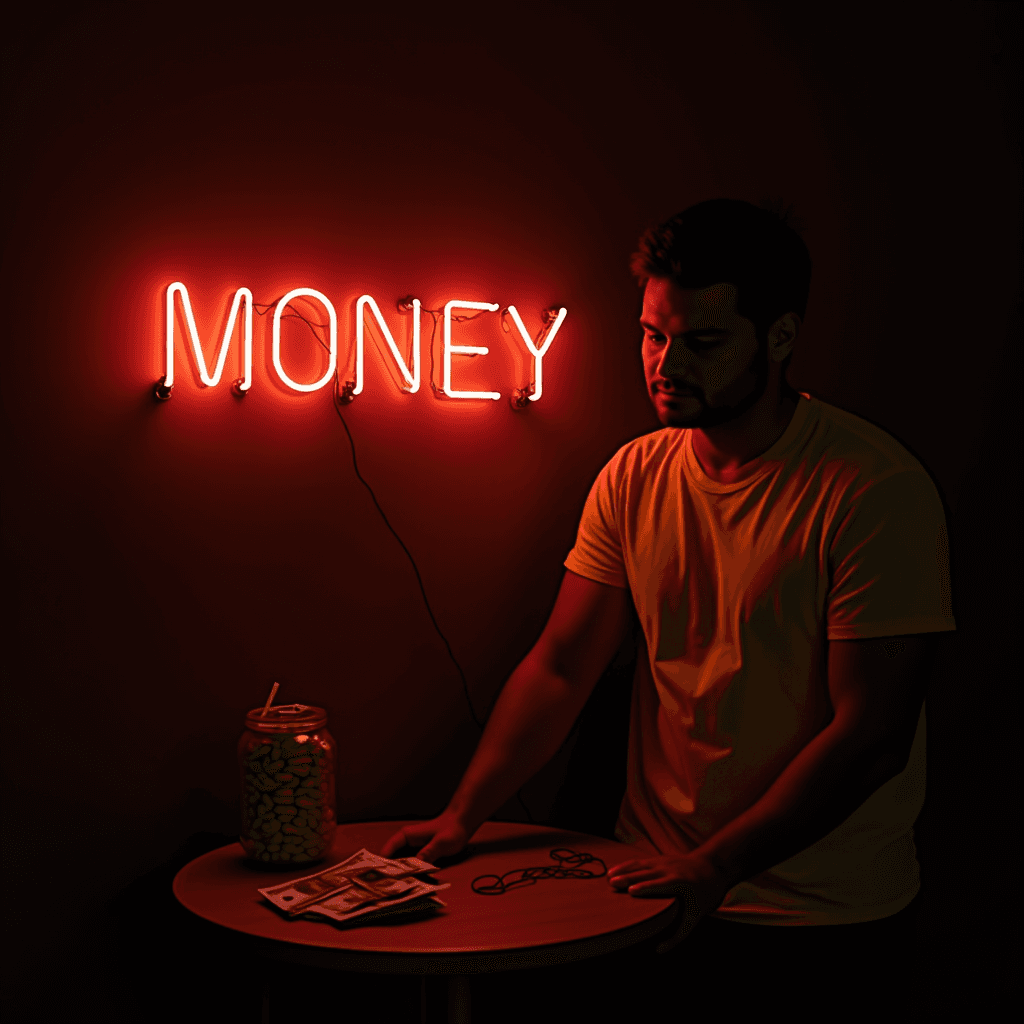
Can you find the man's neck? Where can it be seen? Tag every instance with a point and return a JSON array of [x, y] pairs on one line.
[[723, 451]]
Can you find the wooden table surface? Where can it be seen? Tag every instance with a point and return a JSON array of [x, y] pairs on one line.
[[551, 921]]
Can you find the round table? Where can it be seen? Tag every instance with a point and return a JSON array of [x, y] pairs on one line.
[[549, 922]]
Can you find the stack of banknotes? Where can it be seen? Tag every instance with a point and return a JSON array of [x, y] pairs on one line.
[[363, 888]]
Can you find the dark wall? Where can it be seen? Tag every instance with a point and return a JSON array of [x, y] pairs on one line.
[[167, 562]]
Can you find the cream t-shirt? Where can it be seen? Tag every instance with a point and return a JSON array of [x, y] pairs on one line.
[[835, 533]]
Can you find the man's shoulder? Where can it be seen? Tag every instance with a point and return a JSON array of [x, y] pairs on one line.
[[647, 449], [861, 444]]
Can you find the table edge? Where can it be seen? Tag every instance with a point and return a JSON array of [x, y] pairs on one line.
[[462, 962]]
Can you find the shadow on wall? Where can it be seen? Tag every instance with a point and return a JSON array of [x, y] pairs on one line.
[[595, 778]]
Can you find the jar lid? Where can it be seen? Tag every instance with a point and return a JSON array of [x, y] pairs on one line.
[[286, 718]]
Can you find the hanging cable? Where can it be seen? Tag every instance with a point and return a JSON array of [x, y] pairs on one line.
[[338, 401]]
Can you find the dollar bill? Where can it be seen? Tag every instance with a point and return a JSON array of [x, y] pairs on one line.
[[363, 878], [375, 913], [346, 906]]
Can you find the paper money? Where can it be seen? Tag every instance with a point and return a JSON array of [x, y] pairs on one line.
[[296, 895], [361, 885], [426, 903], [373, 914], [344, 907]]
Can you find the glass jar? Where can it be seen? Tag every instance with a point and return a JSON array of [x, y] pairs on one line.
[[286, 760]]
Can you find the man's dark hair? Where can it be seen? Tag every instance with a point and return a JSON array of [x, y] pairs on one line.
[[752, 247]]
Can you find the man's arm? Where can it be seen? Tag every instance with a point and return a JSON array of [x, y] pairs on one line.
[[877, 688], [544, 696], [534, 713]]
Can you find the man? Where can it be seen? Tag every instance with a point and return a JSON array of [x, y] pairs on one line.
[[788, 564]]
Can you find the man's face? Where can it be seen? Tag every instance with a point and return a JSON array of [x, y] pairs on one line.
[[702, 360]]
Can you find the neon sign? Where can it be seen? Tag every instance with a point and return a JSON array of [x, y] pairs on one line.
[[278, 310], [467, 350], [413, 378], [365, 306], [243, 294], [538, 354]]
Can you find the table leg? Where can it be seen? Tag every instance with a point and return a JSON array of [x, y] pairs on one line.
[[458, 999], [265, 1008]]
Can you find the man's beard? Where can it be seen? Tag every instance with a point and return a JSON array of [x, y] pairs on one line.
[[715, 417]]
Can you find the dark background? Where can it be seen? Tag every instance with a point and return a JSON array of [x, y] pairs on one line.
[[167, 562]]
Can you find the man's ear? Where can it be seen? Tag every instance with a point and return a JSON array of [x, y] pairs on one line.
[[782, 336]]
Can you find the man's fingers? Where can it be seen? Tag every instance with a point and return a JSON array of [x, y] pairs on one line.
[[438, 838], [625, 866], [632, 877], [661, 891], [438, 848], [396, 842]]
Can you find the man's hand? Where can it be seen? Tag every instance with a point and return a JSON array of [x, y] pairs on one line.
[[443, 836], [697, 883]]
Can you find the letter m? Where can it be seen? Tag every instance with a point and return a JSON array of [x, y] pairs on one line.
[[207, 378]]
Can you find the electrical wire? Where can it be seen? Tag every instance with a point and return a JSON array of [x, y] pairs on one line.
[[355, 465]]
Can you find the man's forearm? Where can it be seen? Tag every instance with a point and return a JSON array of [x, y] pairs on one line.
[[529, 723], [818, 790]]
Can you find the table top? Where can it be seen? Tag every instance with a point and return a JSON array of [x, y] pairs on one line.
[[553, 920]]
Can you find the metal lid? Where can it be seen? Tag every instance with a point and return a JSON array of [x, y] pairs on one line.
[[286, 718]]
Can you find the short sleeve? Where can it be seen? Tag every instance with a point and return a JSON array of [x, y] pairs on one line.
[[889, 562], [597, 554]]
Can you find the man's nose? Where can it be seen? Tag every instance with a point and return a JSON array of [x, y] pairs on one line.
[[674, 360]]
